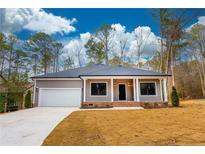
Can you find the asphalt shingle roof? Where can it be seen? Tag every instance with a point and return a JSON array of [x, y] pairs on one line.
[[101, 70]]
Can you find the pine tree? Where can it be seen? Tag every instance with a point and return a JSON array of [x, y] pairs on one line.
[[174, 97], [1, 103], [28, 100]]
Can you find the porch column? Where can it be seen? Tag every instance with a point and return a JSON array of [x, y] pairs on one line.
[[34, 92], [165, 90], [112, 99], [138, 91], [161, 94], [134, 90], [84, 90]]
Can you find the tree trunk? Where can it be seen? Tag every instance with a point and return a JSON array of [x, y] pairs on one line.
[[106, 51], [57, 63], [2, 65], [172, 66], [161, 57], [10, 61], [168, 58]]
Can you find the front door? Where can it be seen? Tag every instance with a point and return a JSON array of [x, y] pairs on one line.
[[122, 92]]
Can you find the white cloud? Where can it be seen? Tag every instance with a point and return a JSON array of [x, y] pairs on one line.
[[75, 49], [201, 20], [118, 27], [150, 42], [13, 20]]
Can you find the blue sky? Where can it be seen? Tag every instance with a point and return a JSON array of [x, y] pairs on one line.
[[88, 20]]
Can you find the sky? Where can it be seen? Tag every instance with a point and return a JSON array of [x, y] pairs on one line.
[[88, 20], [73, 27]]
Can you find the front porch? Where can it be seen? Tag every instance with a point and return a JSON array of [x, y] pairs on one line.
[[123, 91]]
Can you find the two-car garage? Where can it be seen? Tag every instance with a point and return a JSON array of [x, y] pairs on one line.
[[58, 93], [61, 97]]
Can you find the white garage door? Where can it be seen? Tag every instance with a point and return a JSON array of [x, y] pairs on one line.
[[64, 97]]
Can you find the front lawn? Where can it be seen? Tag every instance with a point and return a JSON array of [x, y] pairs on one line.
[[168, 126]]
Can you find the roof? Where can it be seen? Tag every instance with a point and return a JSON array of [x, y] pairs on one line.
[[101, 70]]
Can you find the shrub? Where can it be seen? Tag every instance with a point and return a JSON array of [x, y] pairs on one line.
[[174, 97], [28, 103], [1, 102]]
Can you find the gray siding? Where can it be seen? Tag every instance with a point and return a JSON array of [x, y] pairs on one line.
[[55, 84], [156, 98], [59, 84], [90, 98]]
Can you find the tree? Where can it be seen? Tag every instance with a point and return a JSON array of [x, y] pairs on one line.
[[95, 51], [140, 38], [162, 15], [28, 103], [116, 61], [172, 24], [76, 49], [187, 72], [3, 52], [42, 43], [57, 51], [68, 63], [11, 43], [104, 35], [2, 101], [174, 97], [196, 40], [120, 42]]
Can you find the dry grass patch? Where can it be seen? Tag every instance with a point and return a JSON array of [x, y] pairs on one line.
[[167, 126]]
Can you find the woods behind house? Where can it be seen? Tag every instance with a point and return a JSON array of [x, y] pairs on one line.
[[180, 52]]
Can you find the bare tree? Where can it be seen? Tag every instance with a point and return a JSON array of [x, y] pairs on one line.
[[57, 51], [197, 44], [140, 39]]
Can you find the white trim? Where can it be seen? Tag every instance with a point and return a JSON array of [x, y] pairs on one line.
[[39, 95], [99, 95], [165, 90], [137, 85], [112, 92], [123, 83], [122, 77], [57, 79], [60, 88], [34, 92], [134, 89], [161, 95], [84, 90], [155, 83], [104, 77]]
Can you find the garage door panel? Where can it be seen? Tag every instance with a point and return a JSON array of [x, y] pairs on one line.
[[60, 97]]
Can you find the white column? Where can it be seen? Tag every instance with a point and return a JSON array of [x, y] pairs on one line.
[[134, 90], [138, 91], [84, 90], [161, 95], [165, 90], [34, 92], [112, 98]]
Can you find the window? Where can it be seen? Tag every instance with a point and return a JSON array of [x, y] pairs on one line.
[[147, 89], [98, 89]]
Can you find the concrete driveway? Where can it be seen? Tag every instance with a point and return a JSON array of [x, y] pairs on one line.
[[30, 126]]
